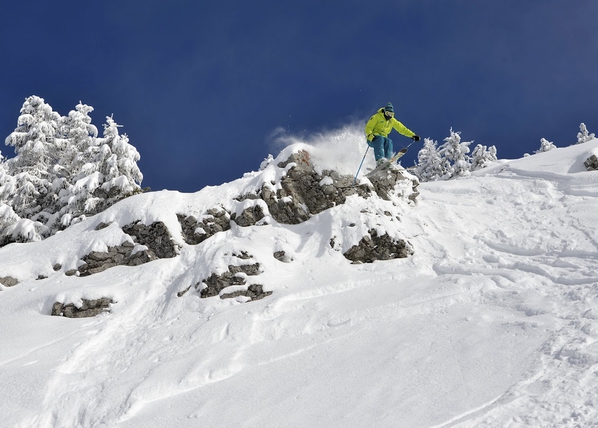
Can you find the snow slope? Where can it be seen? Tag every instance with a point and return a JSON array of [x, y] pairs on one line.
[[492, 322]]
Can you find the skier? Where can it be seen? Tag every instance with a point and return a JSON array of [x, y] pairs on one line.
[[378, 128]]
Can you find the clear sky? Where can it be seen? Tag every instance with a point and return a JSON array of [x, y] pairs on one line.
[[200, 87]]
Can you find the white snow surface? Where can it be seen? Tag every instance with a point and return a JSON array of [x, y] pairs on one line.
[[492, 322]]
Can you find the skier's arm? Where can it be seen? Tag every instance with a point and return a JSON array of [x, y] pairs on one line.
[[402, 129], [369, 127]]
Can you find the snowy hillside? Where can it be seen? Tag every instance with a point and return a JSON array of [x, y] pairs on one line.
[[492, 322]]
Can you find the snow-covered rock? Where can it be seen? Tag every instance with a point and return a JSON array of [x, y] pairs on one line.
[[296, 194]]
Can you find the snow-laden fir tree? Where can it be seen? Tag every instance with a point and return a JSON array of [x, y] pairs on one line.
[[79, 133], [545, 146], [35, 149], [455, 152], [482, 156], [13, 228], [61, 171], [583, 136], [77, 161], [430, 165], [115, 161], [451, 159], [104, 170]]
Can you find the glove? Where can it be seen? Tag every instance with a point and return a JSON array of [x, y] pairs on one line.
[[370, 137], [415, 138]]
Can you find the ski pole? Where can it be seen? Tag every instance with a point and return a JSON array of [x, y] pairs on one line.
[[409, 145], [359, 169]]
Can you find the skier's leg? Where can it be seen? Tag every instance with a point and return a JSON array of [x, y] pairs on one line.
[[388, 148], [378, 145]]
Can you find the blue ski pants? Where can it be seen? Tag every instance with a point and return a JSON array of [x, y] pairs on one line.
[[382, 147]]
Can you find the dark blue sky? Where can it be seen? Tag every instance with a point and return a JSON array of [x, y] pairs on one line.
[[200, 86]]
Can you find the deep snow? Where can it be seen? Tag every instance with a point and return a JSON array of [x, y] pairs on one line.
[[492, 322]]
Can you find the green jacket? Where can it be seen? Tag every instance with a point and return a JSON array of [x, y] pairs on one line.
[[379, 125]]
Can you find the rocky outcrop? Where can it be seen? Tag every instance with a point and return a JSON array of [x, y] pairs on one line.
[[373, 247], [385, 181], [282, 256], [156, 237], [214, 221], [304, 192], [88, 308], [8, 281], [301, 193], [236, 276], [249, 216], [591, 163], [253, 292], [126, 254], [150, 243]]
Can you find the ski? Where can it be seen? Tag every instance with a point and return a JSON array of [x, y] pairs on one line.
[[389, 162]]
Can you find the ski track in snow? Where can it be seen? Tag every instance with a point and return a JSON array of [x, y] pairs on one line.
[[492, 323], [550, 266]]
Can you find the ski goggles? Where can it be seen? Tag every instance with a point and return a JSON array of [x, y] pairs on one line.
[[389, 113]]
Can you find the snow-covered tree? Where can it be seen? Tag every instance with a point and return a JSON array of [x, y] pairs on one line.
[[13, 228], [16, 229], [545, 146], [583, 136], [451, 159], [35, 148], [62, 171], [33, 139], [78, 135], [104, 169], [80, 141], [482, 156], [115, 162], [455, 152], [430, 165]]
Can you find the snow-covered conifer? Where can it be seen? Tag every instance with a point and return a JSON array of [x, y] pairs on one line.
[[36, 155], [545, 146], [76, 162], [482, 156], [33, 139], [583, 135], [116, 163], [62, 171], [429, 166], [455, 152], [78, 134], [13, 228]]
